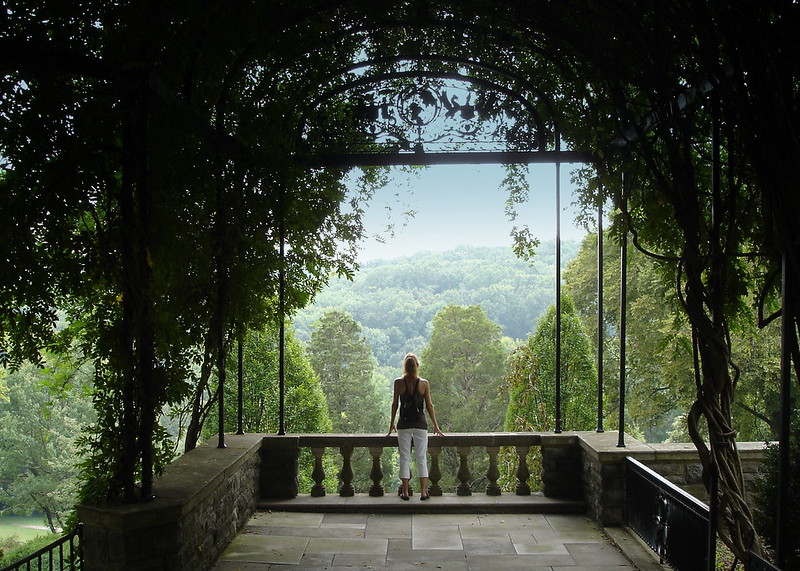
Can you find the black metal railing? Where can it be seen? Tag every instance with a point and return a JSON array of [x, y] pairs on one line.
[[757, 563], [64, 554], [674, 524]]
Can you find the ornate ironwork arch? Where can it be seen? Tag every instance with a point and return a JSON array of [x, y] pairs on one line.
[[453, 111]]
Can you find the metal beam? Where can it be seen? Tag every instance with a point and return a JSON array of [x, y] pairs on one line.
[[424, 159], [600, 316], [559, 420], [623, 321], [788, 341]]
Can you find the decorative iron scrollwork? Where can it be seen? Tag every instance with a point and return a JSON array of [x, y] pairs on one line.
[[662, 526], [431, 114]]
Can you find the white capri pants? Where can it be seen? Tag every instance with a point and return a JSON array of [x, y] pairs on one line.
[[420, 438]]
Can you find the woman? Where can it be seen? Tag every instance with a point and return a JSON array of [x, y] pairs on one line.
[[411, 391]]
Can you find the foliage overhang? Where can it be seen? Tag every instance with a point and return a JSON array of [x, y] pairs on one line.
[[133, 132]]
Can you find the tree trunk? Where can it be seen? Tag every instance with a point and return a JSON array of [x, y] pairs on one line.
[[200, 410], [141, 393]]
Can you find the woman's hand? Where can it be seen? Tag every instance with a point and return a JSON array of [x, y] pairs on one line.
[[437, 431], [391, 429]]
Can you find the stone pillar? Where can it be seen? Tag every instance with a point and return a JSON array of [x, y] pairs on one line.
[[605, 488], [493, 473], [132, 536], [435, 474], [376, 474], [561, 467], [603, 466], [279, 467], [463, 489]]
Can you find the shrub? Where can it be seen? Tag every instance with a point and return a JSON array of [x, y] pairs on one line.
[[766, 496], [13, 550]]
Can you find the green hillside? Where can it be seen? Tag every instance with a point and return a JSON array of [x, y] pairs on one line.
[[395, 300]]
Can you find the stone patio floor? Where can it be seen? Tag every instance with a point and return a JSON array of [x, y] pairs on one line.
[[280, 540]]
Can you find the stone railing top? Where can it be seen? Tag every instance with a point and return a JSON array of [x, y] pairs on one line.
[[448, 440], [603, 446]]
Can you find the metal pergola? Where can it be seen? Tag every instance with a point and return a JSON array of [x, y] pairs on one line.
[[397, 134], [393, 122], [557, 159]]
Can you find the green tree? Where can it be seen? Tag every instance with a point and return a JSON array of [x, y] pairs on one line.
[[465, 364], [41, 415], [305, 408], [531, 379], [343, 361], [659, 370], [530, 385], [358, 401]]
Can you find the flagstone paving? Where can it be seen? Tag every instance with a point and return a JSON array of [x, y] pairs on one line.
[[281, 540]]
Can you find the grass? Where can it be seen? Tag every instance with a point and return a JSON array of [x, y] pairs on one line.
[[23, 527], [21, 536]]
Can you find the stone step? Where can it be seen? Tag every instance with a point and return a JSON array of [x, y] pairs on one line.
[[446, 503]]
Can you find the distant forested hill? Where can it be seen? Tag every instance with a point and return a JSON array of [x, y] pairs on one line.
[[395, 300]]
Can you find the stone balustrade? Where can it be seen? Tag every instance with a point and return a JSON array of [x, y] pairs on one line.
[[281, 453]]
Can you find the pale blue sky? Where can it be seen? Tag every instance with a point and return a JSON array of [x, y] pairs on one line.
[[464, 205]]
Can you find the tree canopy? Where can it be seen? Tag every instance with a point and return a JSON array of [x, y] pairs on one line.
[[465, 363], [148, 195], [305, 406], [395, 301], [344, 363], [42, 413]]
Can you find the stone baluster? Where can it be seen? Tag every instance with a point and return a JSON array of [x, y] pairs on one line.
[[493, 473], [376, 474], [523, 489], [318, 475], [463, 488], [434, 474], [346, 475]]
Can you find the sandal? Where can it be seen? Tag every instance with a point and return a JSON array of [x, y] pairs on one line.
[[425, 497], [403, 496]]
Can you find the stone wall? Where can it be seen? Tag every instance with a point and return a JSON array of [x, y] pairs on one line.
[[207, 495], [604, 472], [680, 464], [202, 501]]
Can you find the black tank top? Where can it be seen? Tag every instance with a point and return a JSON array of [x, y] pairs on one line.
[[419, 402]]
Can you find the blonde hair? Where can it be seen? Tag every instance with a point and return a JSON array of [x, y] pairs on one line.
[[411, 366]]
